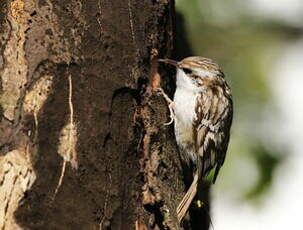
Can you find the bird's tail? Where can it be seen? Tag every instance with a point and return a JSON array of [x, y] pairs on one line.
[[188, 198]]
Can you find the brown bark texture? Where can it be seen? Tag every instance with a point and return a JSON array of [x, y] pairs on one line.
[[82, 140]]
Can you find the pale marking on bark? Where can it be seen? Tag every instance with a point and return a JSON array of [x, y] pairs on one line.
[[99, 19], [134, 73], [131, 19], [69, 135], [60, 179], [36, 123], [14, 74], [36, 97], [106, 201], [16, 177]]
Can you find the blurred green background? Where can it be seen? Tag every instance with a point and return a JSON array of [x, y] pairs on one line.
[[248, 40]]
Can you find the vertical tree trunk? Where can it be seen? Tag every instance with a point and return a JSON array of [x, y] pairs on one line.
[[82, 140]]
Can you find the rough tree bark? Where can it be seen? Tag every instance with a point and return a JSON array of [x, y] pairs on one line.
[[82, 140]]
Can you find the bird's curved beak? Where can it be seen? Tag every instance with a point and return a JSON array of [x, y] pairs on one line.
[[169, 61]]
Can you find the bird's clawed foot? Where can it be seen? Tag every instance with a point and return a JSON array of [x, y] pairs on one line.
[[171, 106]]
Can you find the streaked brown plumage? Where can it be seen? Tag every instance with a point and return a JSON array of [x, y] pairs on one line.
[[203, 116]]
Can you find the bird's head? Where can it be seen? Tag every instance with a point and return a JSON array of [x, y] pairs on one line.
[[196, 68]]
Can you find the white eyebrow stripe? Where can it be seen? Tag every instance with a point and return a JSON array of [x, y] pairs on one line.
[[203, 72]]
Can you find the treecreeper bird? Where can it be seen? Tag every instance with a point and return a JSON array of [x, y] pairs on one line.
[[202, 110]]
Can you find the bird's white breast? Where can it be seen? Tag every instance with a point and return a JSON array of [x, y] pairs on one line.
[[185, 99], [185, 103]]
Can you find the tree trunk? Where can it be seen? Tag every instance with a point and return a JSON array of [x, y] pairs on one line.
[[82, 140]]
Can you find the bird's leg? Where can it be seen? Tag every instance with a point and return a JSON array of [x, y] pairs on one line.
[[171, 106]]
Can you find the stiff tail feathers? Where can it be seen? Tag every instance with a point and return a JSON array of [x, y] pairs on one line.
[[187, 199]]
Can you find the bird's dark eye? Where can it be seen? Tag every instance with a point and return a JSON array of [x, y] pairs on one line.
[[187, 71]]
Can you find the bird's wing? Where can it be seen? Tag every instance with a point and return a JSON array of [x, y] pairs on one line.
[[214, 117]]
